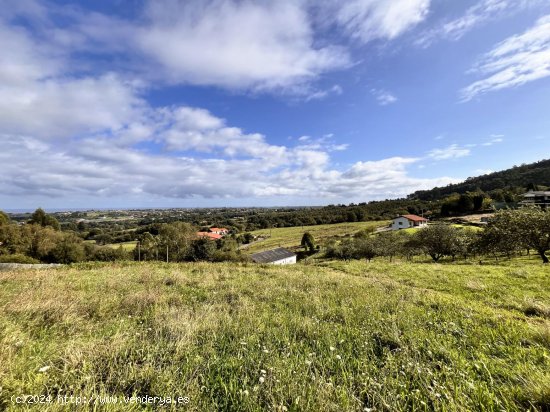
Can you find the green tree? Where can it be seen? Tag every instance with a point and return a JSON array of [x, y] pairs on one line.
[[174, 240], [4, 218], [528, 227], [366, 248], [308, 242], [202, 249], [437, 240], [68, 250], [39, 217], [389, 244]]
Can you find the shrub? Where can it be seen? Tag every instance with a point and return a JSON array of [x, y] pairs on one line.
[[17, 258]]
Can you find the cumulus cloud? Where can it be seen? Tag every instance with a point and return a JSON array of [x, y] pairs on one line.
[[68, 131], [235, 44], [518, 60]]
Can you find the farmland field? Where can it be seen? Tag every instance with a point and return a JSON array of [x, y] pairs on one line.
[[331, 336], [291, 237]]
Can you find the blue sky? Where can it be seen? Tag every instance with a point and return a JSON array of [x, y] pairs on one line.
[[237, 103]]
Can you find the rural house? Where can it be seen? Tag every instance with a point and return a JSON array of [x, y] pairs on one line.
[[279, 256], [408, 221], [209, 235], [219, 230], [537, 198]]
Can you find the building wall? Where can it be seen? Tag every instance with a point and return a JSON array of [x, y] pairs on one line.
[[287, 261], [401, 223]]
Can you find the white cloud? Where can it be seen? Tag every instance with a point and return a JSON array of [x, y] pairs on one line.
[[367, 20], [517, 60], [453, 151], [383, 97], [237, 45], [494, 140], [67, 133], [475, 16]]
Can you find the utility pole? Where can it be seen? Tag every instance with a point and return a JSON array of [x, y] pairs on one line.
[[167, 253], [139, 251]]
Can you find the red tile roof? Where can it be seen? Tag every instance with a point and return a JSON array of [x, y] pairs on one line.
[[415, 218], [213, 236]]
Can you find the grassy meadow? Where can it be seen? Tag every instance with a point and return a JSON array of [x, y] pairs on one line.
[[330, 336], [290, 237]]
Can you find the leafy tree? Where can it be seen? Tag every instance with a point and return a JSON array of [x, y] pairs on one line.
[[39, 217], [528, 227], [176, 238], [68, 250], [202, 249], [437, 240], [389, 244], [247, 238], [38, 241], [366, 248], [308, 242], [4, 218]]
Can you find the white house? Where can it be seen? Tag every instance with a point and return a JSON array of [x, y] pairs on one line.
[[279, 256], [219, 230], [408, 221]]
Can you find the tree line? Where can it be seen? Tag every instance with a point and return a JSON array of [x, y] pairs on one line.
[[507, 234], [41, 240]]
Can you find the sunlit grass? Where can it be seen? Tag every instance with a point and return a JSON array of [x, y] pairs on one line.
[[291, 237], [332, 336]]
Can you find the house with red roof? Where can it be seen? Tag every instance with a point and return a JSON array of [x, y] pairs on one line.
[[408, 221], [209, 235]]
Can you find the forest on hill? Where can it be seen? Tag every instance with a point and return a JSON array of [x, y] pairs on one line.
[[533, 176]]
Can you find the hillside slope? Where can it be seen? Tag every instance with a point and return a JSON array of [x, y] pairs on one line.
[[519, 176], [342, 337]]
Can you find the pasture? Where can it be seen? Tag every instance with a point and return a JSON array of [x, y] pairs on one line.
[[290, 237], [330, 336]]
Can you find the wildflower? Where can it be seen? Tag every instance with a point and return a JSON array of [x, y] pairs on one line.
[[245, 392], [338, 357], [308, 362], [262, 379], [43, 369], [243, 343], [332, 348], [265, 351], [263, 372]]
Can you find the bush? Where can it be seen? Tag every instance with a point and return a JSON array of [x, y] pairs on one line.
[[17, 258]]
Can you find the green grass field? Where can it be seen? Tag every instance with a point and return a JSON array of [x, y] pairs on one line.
[[128, 246], [291, 237], [331, 336]]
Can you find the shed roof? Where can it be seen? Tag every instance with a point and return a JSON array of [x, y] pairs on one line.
[[272, 255]]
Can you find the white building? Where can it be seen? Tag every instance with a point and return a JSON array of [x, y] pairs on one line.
[[408, 221], [279, 256], [219, 230]]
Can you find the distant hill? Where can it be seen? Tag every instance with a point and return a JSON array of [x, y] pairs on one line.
[[524, 176]]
